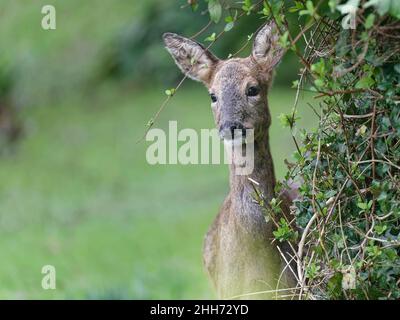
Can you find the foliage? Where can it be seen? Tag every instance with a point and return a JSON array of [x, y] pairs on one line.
[[348, 211], [76, 195], [348, 167], [136, 51], [77, 191]]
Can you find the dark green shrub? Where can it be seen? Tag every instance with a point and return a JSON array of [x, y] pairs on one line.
[[137, 52], [349, 167]]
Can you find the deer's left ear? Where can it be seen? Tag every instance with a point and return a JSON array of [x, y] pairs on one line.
[[191, 57], [266, 49]]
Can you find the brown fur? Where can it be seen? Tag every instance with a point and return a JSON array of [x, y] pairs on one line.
[[238, 253]]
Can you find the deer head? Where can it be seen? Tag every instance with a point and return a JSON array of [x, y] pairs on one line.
[[238, 87]]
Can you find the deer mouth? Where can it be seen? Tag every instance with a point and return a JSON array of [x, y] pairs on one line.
[[233, 133]]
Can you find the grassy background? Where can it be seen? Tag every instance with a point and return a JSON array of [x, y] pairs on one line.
[[80, 196], [77, 193]]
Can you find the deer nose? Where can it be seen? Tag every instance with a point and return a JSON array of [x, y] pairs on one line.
[[231, 130], [237, 129]]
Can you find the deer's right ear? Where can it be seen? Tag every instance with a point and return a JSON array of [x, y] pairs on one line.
[[191, 57]]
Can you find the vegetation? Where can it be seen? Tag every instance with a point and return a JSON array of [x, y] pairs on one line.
[[349, 166], [77, 189], [348, 211], [75, 193]]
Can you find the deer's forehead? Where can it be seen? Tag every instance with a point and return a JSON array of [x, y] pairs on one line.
[[232, 72]]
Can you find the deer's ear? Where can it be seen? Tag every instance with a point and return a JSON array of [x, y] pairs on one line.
[[191, 57], [266, 49]]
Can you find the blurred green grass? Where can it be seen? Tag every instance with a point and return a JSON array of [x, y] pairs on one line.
[[78, 194]]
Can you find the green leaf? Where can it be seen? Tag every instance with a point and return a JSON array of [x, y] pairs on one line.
[[319, 68], [361, 131], [229, 19], [310, 10], [365, 82], [284, 231], [194, 6], [297, 7], [382, 196], [362, 205], [170, 92], [266, 11], [215, 10], [319, 83], [380, 228], [283, 40], [332, 4], [284, 120], [312, 271], [211, 38], [310, 5], [247, 6], [365, 205], [373, 251], [369, 22]]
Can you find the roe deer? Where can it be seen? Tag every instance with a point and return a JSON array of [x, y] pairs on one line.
[[238, 253]]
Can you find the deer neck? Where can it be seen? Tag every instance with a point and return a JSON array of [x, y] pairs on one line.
[[242, 190]]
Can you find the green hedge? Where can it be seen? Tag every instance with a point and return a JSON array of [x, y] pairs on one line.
[[346, 222]]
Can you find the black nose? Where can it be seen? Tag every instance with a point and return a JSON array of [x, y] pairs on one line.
[[234, 127]]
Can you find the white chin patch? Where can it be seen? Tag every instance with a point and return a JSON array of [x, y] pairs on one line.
[[230, 143]]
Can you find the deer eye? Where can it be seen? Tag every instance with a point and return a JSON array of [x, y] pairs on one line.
[[252, 91], [213, 97]]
